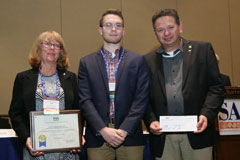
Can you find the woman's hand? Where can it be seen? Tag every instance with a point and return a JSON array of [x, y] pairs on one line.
[[30, 148], [79, 150]]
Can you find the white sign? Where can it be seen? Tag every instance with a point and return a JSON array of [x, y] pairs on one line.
[[229, 118], [7, 133]]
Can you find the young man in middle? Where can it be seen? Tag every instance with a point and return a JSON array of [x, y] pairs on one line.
[[113, 90]]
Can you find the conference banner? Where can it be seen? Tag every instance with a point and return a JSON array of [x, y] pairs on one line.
[[229, 118]]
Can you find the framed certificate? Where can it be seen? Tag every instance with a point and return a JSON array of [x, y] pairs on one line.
[[53, 133]]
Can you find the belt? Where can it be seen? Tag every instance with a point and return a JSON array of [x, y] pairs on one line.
[[111, 120]]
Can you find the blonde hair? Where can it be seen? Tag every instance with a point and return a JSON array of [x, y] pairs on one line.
[[34, 58]]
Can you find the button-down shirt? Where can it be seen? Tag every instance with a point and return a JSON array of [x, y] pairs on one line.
[[173, 75], [112, 62]]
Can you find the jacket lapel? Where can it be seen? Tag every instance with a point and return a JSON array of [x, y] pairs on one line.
[[160, 73], [66, 83], [121, 67], [187, 54], [62, 77], [102, 69], [31, 84]]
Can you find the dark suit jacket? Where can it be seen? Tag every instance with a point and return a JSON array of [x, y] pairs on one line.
[[131, 96], [23, 98], [4, 124], [225, 80], [202, 91]]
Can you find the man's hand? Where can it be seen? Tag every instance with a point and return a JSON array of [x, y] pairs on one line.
[[30, 148], [122, 133], [155, 128], [202, 124], [111, 136]]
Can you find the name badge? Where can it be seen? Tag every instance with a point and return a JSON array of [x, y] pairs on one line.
[[111, 86], [50, 105]]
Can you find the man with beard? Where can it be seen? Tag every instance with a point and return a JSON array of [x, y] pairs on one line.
[[113, 90]]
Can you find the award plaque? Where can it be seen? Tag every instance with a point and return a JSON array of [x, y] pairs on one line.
[[55, 132]]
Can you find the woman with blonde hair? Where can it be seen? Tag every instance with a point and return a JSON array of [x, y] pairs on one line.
[[48, 79]]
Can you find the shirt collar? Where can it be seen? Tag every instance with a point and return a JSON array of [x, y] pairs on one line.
[[161, 49], [109, 54]]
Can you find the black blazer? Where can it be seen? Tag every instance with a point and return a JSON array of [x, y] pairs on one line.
[[202, 91], [131, 96], [23, 98], [225, 80]]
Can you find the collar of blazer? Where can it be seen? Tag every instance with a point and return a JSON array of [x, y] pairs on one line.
[[187, 55], [34, 71]]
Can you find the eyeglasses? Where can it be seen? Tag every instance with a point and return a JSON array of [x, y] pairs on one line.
[[49, 45], [117, 26]]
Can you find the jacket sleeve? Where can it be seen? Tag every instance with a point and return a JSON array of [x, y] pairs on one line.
[[215, 95], [149, 115], [17, 112]]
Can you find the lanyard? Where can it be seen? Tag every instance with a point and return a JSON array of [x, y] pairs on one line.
[[106, 65], [44, 88]]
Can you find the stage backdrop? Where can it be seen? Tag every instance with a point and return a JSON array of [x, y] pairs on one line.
[[22, 21]]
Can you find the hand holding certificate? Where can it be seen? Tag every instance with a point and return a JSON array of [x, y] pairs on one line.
[[178, 123], [60, 132]]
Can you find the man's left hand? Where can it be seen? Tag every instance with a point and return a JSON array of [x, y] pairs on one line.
[[202, 124]]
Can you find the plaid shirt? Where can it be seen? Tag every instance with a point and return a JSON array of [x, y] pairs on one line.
[[112, 62]]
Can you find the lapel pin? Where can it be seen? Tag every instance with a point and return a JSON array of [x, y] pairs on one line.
[[189, 48], [64, 74]]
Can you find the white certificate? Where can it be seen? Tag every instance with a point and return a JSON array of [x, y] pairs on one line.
[[60, 132], [178, 123]]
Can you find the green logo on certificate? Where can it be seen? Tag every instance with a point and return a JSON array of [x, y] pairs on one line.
[[42, 141]]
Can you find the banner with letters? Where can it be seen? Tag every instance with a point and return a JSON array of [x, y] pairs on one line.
[[229, 118]]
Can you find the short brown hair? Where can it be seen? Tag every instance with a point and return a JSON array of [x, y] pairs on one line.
[[111, 11], [166, 12], [35, 60]]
